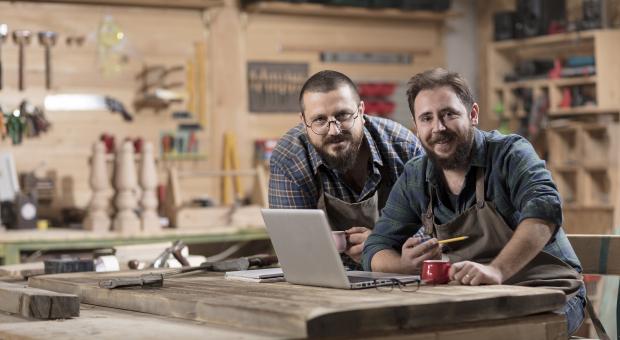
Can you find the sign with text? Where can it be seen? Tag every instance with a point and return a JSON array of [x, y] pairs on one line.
[[274, 87]]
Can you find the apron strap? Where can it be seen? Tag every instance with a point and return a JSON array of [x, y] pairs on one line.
[[429, 219], [596, 322], [480, 187]]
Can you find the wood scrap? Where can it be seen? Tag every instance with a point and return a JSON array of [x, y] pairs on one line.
[[37, 303], [22, 270]]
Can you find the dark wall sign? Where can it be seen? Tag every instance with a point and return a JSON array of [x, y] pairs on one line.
[[274, 87]]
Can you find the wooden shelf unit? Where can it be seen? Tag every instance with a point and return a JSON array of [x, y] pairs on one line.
[[583, 160], [581, 141], [601, 44]]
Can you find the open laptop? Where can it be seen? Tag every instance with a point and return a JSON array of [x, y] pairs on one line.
[[304, 245]]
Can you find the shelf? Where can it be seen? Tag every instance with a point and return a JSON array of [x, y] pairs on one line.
[[561, 82], [581, 110], [305, 9], [582, 207], [184, 157], [544, 41]]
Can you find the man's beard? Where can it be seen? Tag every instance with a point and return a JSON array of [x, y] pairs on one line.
[[345, 159], [461, 156]]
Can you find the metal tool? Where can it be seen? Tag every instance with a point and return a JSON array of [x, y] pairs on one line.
[[21, 38], [85, 102], [4, 32], [175, 250], [48, 39], [157, 280]]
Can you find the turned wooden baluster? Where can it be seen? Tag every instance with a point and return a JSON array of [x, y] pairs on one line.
[[97, 219], [126, 220], [148, 180]]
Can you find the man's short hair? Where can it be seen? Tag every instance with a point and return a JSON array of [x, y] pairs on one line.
[[326, 81], [439, 77]]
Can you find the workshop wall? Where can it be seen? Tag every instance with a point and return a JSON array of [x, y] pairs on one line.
[[156, 36], [151, 37]]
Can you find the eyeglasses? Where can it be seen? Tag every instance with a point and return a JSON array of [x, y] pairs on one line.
[[343, 121], [408, 287]]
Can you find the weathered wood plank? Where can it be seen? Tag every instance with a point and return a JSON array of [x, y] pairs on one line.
[[107, 323], [37, 303], [301, 311], [598, 254], [23, 270]]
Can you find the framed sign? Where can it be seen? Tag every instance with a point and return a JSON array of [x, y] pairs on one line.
[[274, 87]]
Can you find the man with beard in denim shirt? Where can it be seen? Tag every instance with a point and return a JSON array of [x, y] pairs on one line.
[[490, 187]]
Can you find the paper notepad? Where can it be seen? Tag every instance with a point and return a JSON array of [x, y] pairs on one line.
[[257, 275]]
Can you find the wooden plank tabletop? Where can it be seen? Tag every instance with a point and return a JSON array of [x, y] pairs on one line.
[[301, 311], [96, 322]]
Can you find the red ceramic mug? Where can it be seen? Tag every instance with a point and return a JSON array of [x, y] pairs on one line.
[[435, 271]]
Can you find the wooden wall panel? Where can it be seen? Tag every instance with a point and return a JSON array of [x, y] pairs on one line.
[[153, 36], [168, 36], [296, 38]]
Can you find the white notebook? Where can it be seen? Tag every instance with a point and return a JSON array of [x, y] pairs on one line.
[[257, 275]]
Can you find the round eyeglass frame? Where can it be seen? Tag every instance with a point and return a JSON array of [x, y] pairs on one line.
[[338, 123], [408, 287]]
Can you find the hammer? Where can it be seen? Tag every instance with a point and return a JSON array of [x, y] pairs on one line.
[[48, 40], [22, 38], [4, 32]]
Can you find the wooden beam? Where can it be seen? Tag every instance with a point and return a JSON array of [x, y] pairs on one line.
[[185, 4], [37, 303], [304, 9], [598, 254]]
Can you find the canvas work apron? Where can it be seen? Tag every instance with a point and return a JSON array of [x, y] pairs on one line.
[[488, 234], [344, 215]]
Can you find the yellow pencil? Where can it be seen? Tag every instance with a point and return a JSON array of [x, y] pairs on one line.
[[460, 238]]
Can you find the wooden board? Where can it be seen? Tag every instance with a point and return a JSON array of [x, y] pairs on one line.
[[300, 311], [111, 323], [23, 270], [598, 254], [37, 303], [193, 4], [107, 323], [588, 220]]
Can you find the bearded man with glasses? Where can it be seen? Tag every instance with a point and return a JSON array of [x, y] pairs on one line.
[[339, 160]]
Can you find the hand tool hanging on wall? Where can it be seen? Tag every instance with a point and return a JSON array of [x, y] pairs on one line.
[[152, 280], [27, 120], [4, 32], [48, 39], [231, 164], [85, 102], [21, 38]]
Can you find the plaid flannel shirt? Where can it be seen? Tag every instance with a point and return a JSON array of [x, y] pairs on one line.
[[296, 167]]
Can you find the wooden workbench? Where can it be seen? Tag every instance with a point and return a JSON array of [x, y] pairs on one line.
[[13, 242], [293, 311]]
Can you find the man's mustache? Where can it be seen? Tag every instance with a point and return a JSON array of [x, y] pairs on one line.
[[343, 136], [442, 137]]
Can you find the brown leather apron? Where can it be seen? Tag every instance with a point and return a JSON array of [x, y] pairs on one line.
[[488, 234]]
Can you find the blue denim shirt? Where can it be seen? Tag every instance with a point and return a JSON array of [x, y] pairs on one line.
[[516, 180]]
